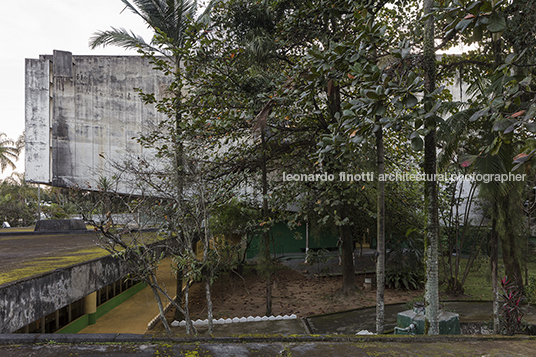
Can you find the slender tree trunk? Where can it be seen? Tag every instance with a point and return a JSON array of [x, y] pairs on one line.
[[210, 316], [160, 306], [494, 261], [179, 176], [189, 326], [333, 92], [431, 199], [380, 262], [179, 295], [266, 236]]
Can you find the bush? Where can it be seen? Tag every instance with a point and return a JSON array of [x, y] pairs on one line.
[[512, 310], [404, 279]]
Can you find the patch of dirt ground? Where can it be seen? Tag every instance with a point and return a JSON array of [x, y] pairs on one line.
[[294, 291]]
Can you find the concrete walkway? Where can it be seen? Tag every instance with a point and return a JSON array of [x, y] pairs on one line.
[[133, 315], [55, 345]]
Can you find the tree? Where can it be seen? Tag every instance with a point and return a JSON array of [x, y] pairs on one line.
[[18, 201], [169, 20], [430, 169], [9, 151], [503, 106]]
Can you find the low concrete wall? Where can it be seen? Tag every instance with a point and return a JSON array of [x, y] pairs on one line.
[[25, 301], [57, 225]]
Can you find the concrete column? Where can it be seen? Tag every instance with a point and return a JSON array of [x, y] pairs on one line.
[[90, 307]]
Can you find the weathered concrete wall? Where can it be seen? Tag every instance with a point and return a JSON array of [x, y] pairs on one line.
[[25, 301], [37, 131], [94, 114]]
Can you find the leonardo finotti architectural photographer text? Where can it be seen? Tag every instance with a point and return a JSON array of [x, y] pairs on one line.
[[400, 176]]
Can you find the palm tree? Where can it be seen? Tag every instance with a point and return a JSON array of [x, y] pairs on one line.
[[9, 151], [170, 19]]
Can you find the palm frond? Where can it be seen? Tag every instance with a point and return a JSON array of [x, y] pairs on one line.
[[498, 164], [451, 133], [121, 38]]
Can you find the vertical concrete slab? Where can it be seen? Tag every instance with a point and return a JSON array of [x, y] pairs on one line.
[[63, 119], [96, 113], [37, 120]]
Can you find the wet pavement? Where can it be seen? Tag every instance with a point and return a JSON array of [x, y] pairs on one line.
[[142, 346]]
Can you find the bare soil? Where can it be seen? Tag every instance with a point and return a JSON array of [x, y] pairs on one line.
[[297, 290]]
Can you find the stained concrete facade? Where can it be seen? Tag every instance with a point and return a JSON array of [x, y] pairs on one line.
[[82, 113], [25, 301]]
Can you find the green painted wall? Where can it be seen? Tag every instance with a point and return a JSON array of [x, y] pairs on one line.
[[293, 241], [89, 319]]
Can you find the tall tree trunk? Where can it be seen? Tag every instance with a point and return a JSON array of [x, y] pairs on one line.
[[210, 316], [333, 92], [179, 177], [511, 244], [380, 262], [189, 325], [494, 261], [431, 199], [267, 259]]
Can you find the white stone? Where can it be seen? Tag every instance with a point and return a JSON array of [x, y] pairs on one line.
[[293, 316], [250, 318], [258, 318], [236, 319], [271, 318], [264, 318], [286, 317], [175, 323], [243, 319], [182, 323], [364, 332], [219, 321], [228, 321], [279, 317]]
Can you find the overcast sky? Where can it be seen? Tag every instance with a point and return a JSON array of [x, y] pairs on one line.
[[29, 28]]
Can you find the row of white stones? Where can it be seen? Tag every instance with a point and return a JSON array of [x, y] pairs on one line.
[[236, 320]]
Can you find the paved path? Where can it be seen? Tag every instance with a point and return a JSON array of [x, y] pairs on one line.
[[133, 315], [145, 346]]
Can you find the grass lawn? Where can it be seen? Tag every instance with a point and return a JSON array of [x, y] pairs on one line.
[[478, 283]]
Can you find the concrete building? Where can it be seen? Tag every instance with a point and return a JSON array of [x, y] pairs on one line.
[[37, 297], [82, 113]]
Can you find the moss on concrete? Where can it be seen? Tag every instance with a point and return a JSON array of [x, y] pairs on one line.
[[45, 264]]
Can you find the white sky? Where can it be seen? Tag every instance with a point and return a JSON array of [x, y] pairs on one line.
[[29, 28]]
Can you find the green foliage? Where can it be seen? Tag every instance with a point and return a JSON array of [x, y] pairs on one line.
[[530, 289], [512, 309], [405, 280], [405, 261], [18, 201]]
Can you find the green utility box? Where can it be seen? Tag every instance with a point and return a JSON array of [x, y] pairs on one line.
[[449, 323]]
